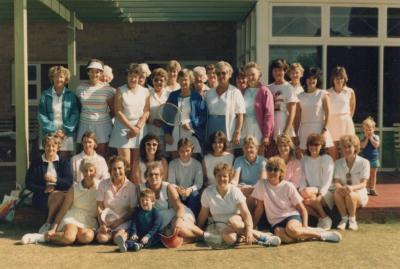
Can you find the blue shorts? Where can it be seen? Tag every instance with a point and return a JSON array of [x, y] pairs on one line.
[[374, 163], [284, 222]]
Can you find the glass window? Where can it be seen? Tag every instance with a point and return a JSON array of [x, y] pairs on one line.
[[296, 21], [361, 64], [393, 23], [83, 72], [354, 21], [306, 55], [391, 82], [32, 91], [32, 72]]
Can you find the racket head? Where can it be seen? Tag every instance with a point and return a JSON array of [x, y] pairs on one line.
[[169, 114], [215, 241]]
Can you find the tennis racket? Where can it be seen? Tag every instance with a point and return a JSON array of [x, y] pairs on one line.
[[215, 240], [170, 114]]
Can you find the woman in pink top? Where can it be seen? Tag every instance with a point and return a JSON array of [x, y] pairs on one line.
[[294, 172], [284, 207], [259, 117], [116, 199]]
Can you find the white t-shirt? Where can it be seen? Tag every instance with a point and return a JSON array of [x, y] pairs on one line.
[[318, 173], [222, 208], [211, 161], [360, 170], [279, 201], [283, 94], [186, 175]]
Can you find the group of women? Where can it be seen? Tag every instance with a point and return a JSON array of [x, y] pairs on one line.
[[221, 121]]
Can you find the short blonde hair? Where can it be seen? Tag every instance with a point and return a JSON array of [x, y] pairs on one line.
[[173, 65], [350, 140], [369, 121], [252, 65], [144, 69], [85, 164], [58, 69], [108, 72], [250, 140], [286, 140], [295, 66], [277, 162], [152, 166], [221, 65], [223, 167], [186, 73], [200, 71], [51, 138], [159, 72]]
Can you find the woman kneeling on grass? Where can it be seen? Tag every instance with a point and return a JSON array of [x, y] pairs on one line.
[[282, 204], [76, 220], [226, 205]]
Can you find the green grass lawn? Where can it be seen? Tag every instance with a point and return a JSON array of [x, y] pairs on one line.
[[373, 246]]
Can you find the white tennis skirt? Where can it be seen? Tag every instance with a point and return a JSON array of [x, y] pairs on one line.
[[339, 125], [102, 131], [119, 136]]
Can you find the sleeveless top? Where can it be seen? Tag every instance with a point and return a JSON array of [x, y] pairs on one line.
[[312, 109], [133, 103], [340, 102]]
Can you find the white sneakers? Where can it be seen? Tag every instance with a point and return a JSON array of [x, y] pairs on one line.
[[121, 243], [325, 223], [45, 228], [353, 224], [343, 223], [331, 236], [32, 238], [269, 240]]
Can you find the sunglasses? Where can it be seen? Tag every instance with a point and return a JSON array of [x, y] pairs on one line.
[[348, 179], [148, 144], [273, 169]]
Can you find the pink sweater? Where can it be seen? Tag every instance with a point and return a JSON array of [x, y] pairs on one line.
[[264, 107]]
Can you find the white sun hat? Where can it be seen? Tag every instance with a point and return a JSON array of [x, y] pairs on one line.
[[95, 65]]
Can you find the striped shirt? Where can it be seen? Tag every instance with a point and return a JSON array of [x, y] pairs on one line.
[[93, 99]]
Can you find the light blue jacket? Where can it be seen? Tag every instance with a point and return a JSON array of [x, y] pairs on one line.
[[70, 112]]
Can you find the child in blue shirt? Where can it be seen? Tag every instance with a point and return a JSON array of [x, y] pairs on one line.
[[145, 227], [370, 145]]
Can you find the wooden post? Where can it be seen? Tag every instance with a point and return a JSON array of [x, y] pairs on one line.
[[21, 90], [72, 52]]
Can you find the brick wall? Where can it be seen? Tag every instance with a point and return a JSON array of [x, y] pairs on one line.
[[118, 44]]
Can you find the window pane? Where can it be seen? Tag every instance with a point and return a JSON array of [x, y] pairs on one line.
[[32, 92], [354, 21], [83, 73], [296, 21], [308, 56], [32, 72], [393, 23], [391, 82], [361, 64]]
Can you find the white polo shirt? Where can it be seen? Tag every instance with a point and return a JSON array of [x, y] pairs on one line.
[[222, 208]]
